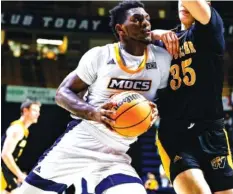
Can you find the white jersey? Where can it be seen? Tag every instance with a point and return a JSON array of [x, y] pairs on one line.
[[101, 70], [88, 148]]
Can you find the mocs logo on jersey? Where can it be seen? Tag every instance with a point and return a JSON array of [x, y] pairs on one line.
[[218, 162], [126, 84]]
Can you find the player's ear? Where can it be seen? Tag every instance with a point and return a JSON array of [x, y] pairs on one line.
[[120, 29], [25, 110]]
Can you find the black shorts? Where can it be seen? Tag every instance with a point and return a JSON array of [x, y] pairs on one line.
[[8, 179], [203, 145]]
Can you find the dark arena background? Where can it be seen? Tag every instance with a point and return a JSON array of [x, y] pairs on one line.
[[41, 42]]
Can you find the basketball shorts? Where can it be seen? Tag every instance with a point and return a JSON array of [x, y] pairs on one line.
[[203, 145], [78, 154], [8, 179]]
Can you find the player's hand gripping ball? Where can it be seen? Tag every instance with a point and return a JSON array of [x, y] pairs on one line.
[[134, 114]]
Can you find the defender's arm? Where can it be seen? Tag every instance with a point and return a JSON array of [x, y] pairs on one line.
[[199, 9], [13, 136]]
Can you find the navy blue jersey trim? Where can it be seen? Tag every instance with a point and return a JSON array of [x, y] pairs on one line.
[[114, 180]]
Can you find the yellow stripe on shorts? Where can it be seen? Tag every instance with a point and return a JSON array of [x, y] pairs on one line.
[[3, 182], [166, 161], [229, 157]]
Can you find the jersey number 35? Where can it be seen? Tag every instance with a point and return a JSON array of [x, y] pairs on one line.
[[188, 74]]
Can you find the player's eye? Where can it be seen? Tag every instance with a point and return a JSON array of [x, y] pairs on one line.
[[137, 18]]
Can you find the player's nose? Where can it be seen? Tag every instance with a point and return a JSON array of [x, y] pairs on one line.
[[145, 24]]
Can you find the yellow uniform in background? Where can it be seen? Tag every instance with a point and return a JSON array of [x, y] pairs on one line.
[[8, 179]]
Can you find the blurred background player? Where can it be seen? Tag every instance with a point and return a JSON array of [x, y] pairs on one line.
[[192, 141], [13, 144], [88, 146], [151, 183]]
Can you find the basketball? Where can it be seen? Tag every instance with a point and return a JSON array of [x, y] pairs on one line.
[[133, 114]]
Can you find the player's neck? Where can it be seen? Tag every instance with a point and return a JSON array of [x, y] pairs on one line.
[[134, 48], [185, 27], [25, 121]]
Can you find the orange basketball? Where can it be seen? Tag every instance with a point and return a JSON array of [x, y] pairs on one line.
[[133, 114]]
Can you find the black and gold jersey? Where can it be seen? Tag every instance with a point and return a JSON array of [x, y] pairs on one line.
[[195, 83], [22, 143]]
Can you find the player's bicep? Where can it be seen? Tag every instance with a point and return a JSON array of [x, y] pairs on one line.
[[12, 138], [73, 82], [199, 9]]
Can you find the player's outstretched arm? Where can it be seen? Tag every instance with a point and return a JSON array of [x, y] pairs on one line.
[[199, 9], [67, 98]]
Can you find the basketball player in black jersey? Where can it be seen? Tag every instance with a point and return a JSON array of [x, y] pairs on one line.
[[192, 141], [13, 143]]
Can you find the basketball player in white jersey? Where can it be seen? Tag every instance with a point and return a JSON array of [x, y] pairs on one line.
[[88, 147]]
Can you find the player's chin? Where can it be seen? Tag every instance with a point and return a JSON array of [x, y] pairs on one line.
[[186, 20], [35, 121], [146, 40]]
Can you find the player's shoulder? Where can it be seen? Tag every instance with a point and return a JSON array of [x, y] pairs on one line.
[[215, 22], [214, 11], [216, 18], [16, 131], [98, 52], [160, 52], [93, 52]]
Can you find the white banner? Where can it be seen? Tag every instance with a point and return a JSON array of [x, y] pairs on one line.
[[20, 93], [53, 21]]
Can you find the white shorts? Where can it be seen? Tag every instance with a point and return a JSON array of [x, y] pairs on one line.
[[78, 154]]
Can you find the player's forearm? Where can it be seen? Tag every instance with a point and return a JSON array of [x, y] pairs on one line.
[[11, 165], [157, 34], [68, 100]]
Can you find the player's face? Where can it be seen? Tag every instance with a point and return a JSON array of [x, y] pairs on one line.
[[137, 25], [151, 176], [33, 113], [185, 17]]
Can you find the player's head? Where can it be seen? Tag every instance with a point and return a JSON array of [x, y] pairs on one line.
[[30, 110], [150, 176], [185, 17], [130, 21]]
